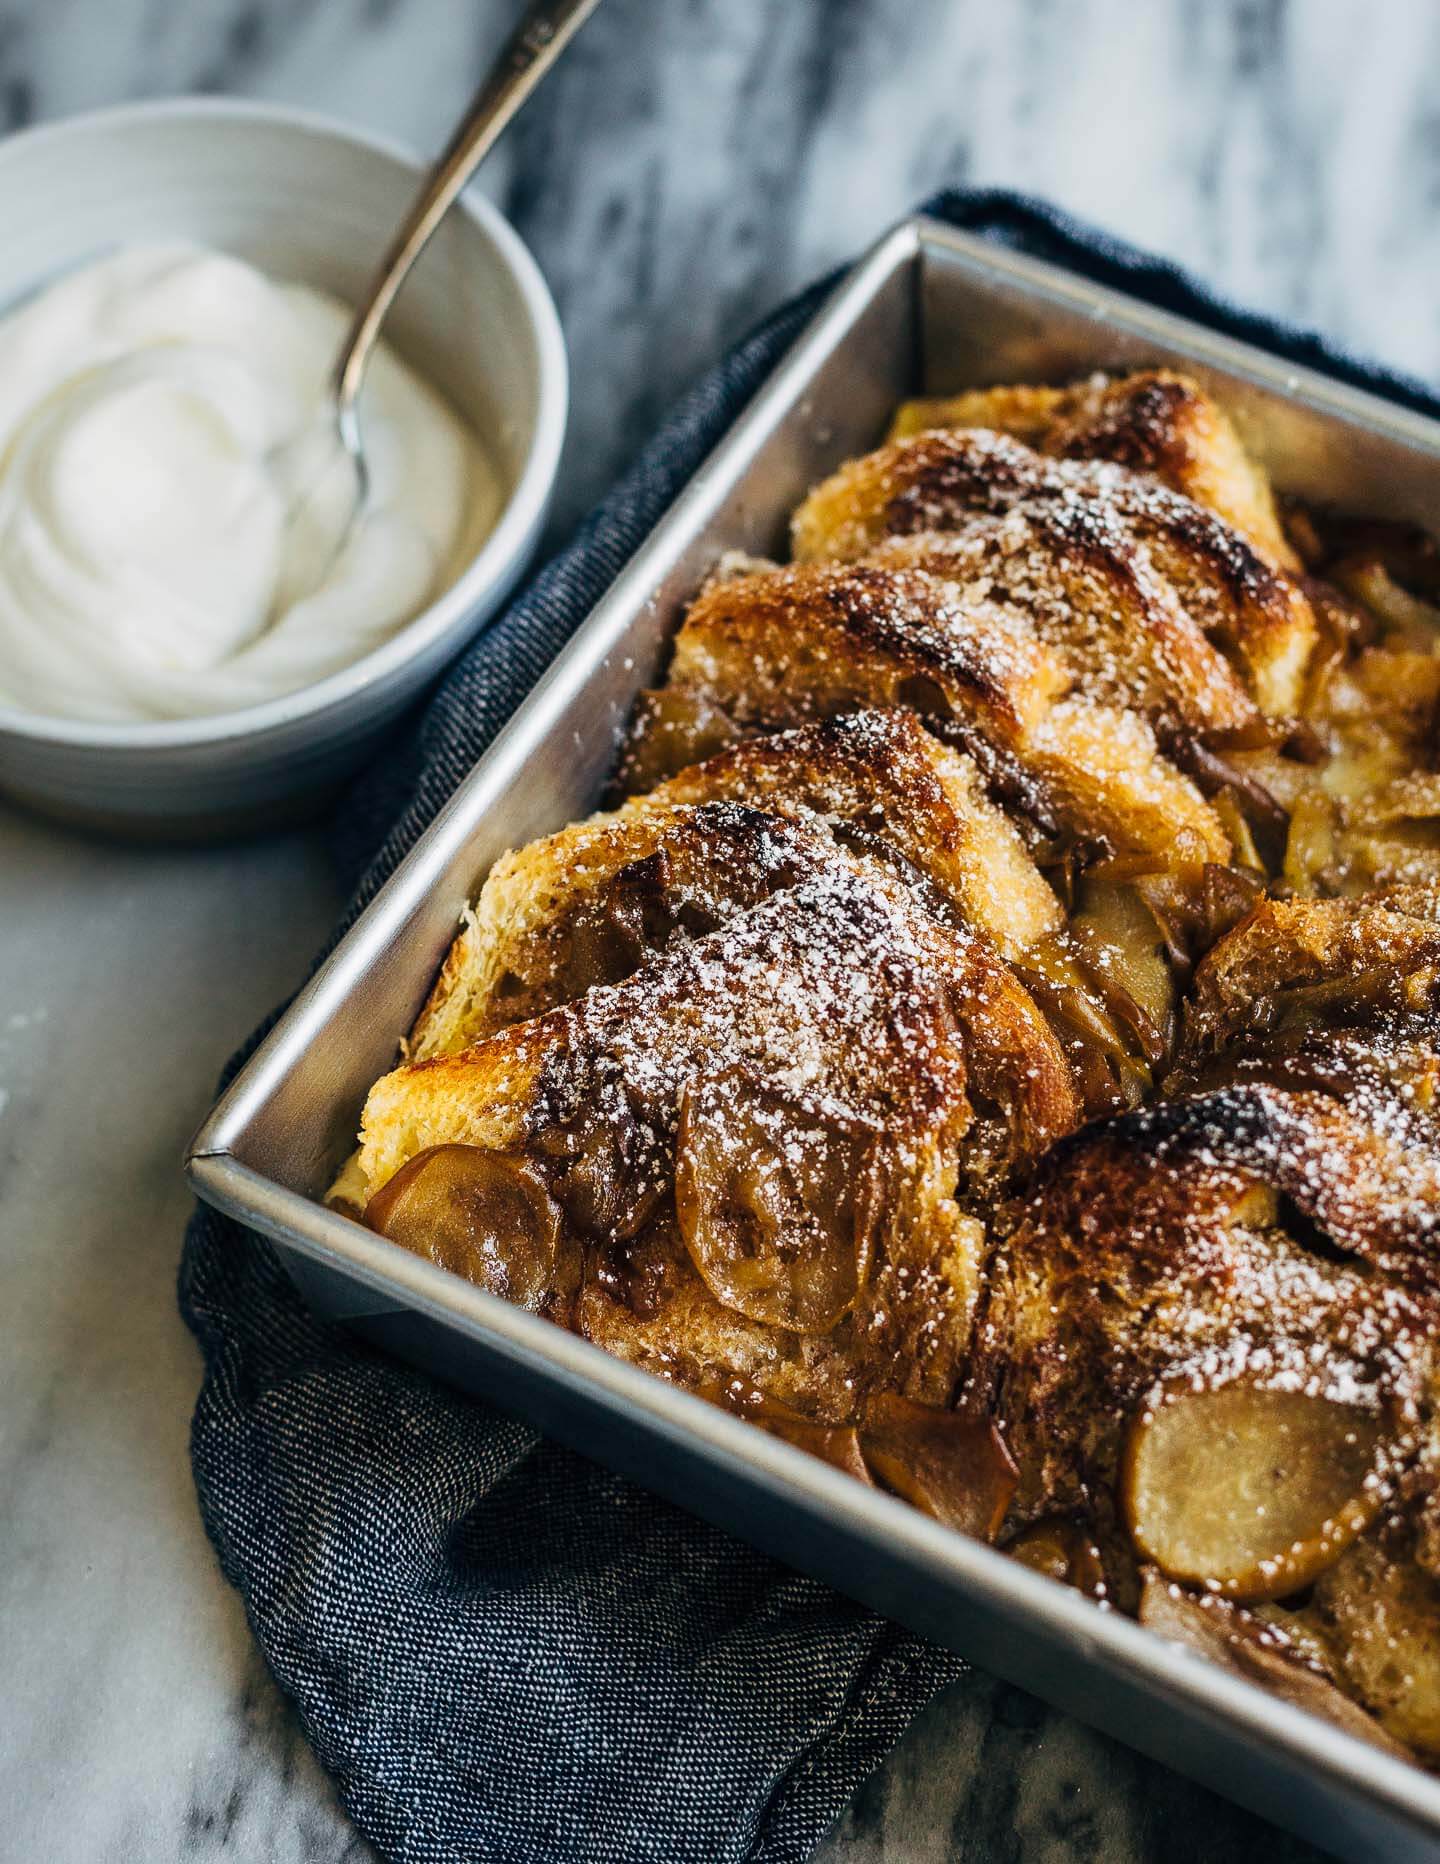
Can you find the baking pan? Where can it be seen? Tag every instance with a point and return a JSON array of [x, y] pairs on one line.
[[928, 311]]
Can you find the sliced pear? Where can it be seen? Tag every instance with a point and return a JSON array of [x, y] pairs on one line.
[[954, 1468], [778, 1200], [836, 1444], [1110, 1065], [1060, 1548], [622, 925], [1118, 933], [484, 1215], [1249, 1492], [1228, 1636]]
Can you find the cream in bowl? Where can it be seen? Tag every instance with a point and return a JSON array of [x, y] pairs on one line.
[[139, 514], [153, 523]]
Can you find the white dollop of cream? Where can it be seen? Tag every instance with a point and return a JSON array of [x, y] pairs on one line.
[[146, 400]]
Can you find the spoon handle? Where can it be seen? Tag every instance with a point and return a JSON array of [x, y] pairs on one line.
[[544, 31]]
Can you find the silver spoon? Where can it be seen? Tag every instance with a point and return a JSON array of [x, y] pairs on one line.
[[324, 464]]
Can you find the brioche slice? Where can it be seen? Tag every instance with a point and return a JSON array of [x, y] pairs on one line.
[[947, 481], [1090, 592], [1026, 411], [867, 1063], [587, 905], [816, 983], [794, 645], [1248, 1240], [880, 781], [1292, 964], [1154, 421]]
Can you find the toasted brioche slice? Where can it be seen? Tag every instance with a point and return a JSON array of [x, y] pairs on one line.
[[1154, 421], [852, 631], [880, 781], [1250, 1238], [1165, 424], [946, 481], [586, 906], [815, 984], [882, 1052], [1027, 411], [1291, 964], [1090, 592], [793, 645]]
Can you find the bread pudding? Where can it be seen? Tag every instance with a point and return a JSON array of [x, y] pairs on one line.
[[991, 1039]]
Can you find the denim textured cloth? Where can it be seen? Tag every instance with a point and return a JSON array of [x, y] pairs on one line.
[[496, 1649]]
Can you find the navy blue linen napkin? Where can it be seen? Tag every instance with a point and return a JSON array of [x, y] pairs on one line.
[[497, 1650]]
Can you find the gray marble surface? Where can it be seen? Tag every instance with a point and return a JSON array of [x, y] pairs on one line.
[[693, 161]]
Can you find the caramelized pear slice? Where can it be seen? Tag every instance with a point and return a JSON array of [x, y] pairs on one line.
[[1262, 1653], [1110, 1067], [1248, 1492], [954, 1468], [1118, 933], [1061, 1548], [836, 1444], [778, 1200], [483, 1215]]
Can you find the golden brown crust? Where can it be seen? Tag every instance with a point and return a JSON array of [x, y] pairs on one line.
[[1162, 423], [1154, 1248], [946, 481], [1025, 410], [1093, 595], [587, 906], [836, 982], [1154, 421], [792, 645], [821, 639], [880, 773], [844, 992]]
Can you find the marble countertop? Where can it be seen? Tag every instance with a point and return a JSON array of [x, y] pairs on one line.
[[688, 166]]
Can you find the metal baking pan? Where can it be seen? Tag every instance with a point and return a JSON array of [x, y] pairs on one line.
[[928, 311]]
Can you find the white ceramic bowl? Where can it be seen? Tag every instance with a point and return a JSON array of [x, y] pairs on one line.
[[313, 201]]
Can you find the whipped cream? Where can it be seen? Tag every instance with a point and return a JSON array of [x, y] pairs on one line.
[[147, 560]]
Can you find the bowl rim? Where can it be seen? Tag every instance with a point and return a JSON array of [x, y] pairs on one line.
[[497, 556]]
